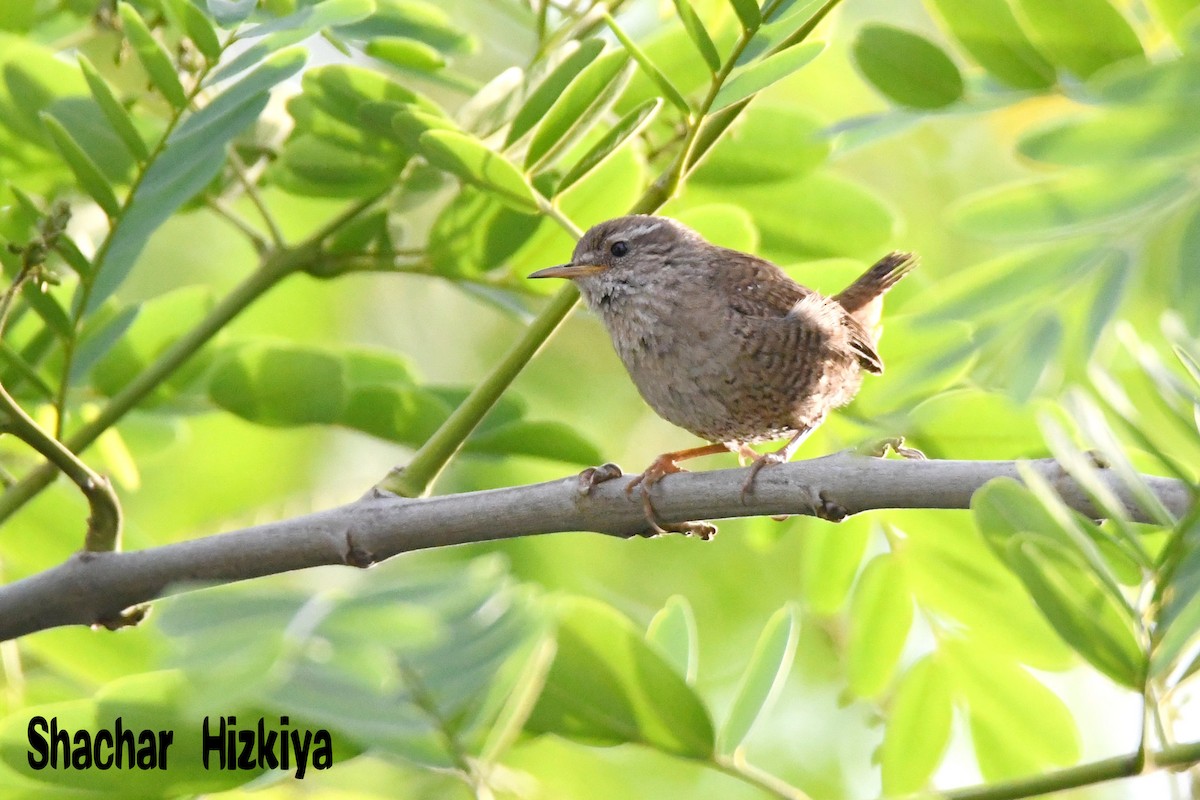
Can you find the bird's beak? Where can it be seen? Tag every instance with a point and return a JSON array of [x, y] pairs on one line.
[[569, 271]]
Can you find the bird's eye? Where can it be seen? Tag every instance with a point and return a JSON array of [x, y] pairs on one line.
[[619, 249]]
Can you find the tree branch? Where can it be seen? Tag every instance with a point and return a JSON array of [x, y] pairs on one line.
[[100, 588]]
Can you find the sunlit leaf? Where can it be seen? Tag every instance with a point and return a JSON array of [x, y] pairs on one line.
[[470, 159], [698, 34], [197, 27], [793, 137], [988, 31], [627, 127], [918, 728], [593, 90], [1009, 741], [1115, 136], [408, 53], [907, 68], [608, 686], [673, 632], [1170, 83], [752, 79], [748, 12], [1071, 202], [764, 677], [542, 98], [663, 83], [1083, 49], [881, 613]]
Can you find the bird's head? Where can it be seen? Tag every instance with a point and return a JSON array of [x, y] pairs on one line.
[[620, 255]]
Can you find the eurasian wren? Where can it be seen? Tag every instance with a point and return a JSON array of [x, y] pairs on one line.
[[723, 343]]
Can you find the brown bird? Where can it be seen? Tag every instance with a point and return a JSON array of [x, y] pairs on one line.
[[723, 343]]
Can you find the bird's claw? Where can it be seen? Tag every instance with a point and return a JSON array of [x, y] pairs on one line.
[[880, 447], [660, 468], [765, 460], [591, 477]]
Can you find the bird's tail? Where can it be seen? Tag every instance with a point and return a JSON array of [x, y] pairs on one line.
[[878, 279]]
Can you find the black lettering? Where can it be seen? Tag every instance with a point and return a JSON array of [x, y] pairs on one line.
[[147, 755], [301, 751], [59, 739], [39, 748], [104, 739], [126, 753], [322, 750], [212, 742], [245, 758], [165, 740], [266, 746], [81, 757]]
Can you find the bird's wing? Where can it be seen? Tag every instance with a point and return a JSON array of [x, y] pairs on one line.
[[765, 299]]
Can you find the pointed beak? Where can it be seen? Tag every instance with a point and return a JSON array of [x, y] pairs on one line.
[[569, 271]]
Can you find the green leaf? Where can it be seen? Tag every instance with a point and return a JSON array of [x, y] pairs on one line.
[[1076, 601], [1082, 49], [1115, 136], [1009, 740], [551, 87], [654, 73], [608, 686], [1178, 620], [794, 138], [86, 172], [470, 159], [552, 440], [763, 679], [748, 12], [1072, 202], [194, 153], [153, 56], [282, 32], [591, 93], [1175, 14], [229, 13], [1142, 84], [280, 385], [831, 559], [698, 34], [196, 26], [673, 632], [626, 128], [476, 232], [750, 80], [160, 322], [988, 31], [907, 68], [918, 728], [116, 114], [407, 53], [410, 19], [881, 614]]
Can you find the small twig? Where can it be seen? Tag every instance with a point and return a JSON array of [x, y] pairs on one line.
[[251, 190]]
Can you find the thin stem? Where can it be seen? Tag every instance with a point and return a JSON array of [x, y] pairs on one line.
[[104, 525], [739, 768], [257, 240], [251, 189]]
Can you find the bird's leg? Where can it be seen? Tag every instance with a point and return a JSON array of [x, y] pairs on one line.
[[780, 456], [664, 465], [745, 453]]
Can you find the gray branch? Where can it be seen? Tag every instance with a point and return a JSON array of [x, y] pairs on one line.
[[105, 588]]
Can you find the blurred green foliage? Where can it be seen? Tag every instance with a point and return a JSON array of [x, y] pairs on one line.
[[298, 237]]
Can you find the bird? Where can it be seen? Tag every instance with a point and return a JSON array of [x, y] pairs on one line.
[[722, 343]]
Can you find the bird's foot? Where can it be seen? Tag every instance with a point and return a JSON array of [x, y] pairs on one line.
[[661, 467], [880, 447], [592, 477], [764, 460]]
